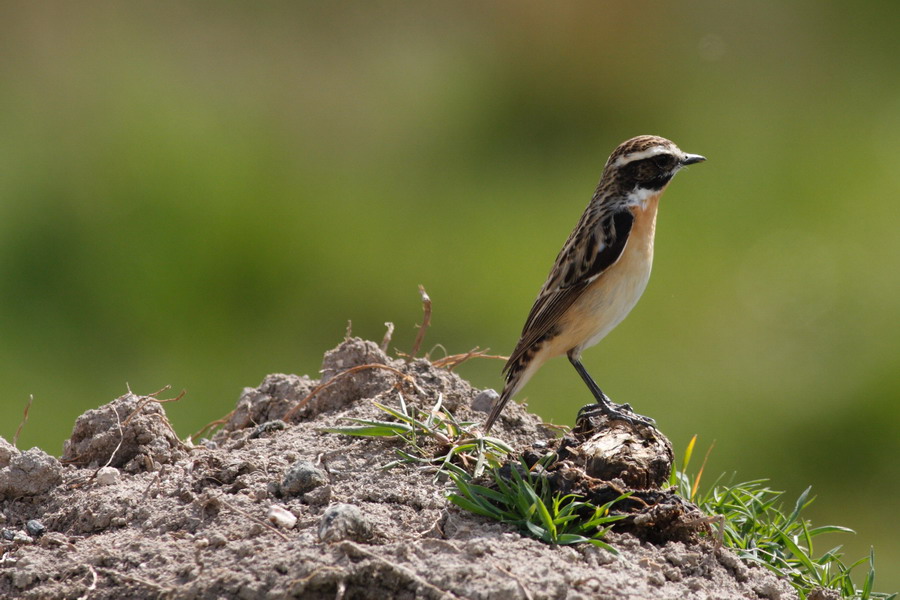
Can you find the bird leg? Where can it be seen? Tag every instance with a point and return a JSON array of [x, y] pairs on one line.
[[603, 404]]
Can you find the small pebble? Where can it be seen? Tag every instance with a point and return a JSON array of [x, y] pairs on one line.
[[23, 538], [7, 534], [281, 516], [267, 427], [302, 477], [107, 475], [35, 528], [342, 522]]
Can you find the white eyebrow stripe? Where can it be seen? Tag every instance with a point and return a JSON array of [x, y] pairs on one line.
[[633, 156]]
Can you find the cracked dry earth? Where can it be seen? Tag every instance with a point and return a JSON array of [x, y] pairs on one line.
[[129, 511]]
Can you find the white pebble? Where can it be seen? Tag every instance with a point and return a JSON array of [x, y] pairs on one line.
[[107, 475], [281, 516]]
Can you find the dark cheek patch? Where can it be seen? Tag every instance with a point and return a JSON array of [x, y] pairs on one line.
[[656, 184]]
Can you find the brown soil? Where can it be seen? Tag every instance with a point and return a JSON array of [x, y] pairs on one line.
[[132, 512]]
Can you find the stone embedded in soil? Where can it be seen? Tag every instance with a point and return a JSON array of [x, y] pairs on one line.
[[131, 433], [107, 475], [22, 538], [318, 496], [344, 522], [29, 473], [267, 428], [302, 477], [35, 528], [484, 401]]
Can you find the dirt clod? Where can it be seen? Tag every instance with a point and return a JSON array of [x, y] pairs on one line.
[[639, 455], [270, 401], [7, 451], [29, 473], [131, 433]]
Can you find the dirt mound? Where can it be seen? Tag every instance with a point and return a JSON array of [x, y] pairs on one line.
[[273, 507]]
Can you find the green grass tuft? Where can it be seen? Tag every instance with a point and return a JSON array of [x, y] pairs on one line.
[[525, 500], [755, 524], [432, 438]]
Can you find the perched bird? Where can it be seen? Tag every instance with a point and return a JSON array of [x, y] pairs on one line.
[[600, 272]]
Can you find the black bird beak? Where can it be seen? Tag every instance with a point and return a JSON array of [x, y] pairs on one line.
[[692, 159]]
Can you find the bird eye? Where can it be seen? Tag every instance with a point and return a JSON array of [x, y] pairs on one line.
[[664, 161]]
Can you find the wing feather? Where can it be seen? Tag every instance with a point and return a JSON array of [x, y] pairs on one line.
[[587, 254]]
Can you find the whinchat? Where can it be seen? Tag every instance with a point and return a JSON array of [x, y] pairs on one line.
[[601, 271]]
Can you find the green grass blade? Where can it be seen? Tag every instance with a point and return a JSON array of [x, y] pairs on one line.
[[798, 552], [370, 429], [471, 506], [565, 539], [870, 576], [829, 529], [800, 505], [397, 414]]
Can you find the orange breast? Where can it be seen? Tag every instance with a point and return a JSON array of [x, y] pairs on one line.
[[611, 296]]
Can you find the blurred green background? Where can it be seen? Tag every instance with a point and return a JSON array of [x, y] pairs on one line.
[[201, 194]]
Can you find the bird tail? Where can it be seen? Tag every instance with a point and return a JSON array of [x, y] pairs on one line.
[[517, 373], [507, 393], [526, 359]]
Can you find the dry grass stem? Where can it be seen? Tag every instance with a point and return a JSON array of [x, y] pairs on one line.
[[93, 585], [256, 520], [163, 592], [353, 550], [210, 426], [24, 420], [387, 336], [454, 360], [302, 403], [426, 320]]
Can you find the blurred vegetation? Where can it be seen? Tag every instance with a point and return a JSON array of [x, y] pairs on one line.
[[200, 194]]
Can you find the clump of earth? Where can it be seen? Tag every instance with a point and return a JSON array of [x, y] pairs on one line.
[[273, 506]]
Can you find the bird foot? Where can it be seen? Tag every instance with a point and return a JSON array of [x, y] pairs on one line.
[[613, 411]]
